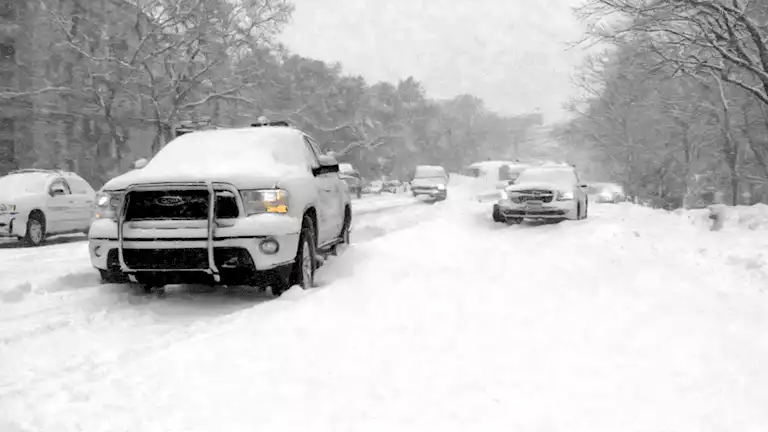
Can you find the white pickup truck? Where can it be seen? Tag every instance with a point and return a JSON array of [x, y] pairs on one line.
[[248, 206]]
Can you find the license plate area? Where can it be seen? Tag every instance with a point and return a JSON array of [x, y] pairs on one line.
[[533, 205]]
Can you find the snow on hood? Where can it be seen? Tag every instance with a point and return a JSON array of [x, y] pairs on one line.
[[22, 186], [251, 157]]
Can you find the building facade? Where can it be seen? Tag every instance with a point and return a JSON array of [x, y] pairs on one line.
[[65, 128]]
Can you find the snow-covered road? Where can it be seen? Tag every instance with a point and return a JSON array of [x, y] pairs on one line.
[[434, 319]]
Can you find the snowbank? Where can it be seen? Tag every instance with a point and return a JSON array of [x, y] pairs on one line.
[[753, 218], [455, 324]]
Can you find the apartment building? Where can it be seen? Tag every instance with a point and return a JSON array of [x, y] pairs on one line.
[[62, 129]]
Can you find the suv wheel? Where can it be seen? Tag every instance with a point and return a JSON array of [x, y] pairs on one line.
[[497, 217]]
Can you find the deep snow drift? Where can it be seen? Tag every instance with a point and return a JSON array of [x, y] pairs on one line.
[[436, 319]]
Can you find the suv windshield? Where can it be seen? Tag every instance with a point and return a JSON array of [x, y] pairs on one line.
[[549, 175], [23, 182]]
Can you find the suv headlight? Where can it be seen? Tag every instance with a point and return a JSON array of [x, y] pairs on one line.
[[503, 194], [7, 208], [265, 201], [108, 204], [440, 187], [565, 196]]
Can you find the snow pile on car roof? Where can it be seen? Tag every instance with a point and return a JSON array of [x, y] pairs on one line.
[[267, 151], [429, 171]]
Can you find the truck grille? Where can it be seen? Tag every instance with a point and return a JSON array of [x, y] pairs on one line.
[[185, 259], [178, 205], [523, 196]]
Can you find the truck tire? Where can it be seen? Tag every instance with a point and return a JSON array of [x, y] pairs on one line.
[[305, 264]]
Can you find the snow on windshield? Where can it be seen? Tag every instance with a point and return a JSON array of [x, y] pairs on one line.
[[21, 183], [547, 175], [265, 150], [425, 171]]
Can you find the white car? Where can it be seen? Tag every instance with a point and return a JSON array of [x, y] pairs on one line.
[[546, 192], [37, 203], [430, 180], [248, 206]]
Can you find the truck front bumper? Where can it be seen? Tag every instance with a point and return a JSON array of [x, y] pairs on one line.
[[240, 250]]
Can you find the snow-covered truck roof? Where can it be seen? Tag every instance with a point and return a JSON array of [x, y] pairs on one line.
[[429, 171]]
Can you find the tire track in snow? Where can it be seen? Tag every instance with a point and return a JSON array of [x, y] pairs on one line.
[[79, 333]]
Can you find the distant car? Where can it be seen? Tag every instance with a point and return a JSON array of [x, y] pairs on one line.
[[430, 180], [392, 186], [37, 203], [607, 192], [551, 192], [375, 187], [248, 206], [352, 178]]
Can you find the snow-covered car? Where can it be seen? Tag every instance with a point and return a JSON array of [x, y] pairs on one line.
[[393, 186], [38, 203], [430, 180], [249, 206], [607, 192], [552, 192], [376, 187]]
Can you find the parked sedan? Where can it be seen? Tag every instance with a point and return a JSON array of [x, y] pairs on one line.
[[37, 203]]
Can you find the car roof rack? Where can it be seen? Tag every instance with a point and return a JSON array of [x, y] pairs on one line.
[[281, 123], [263, 121]]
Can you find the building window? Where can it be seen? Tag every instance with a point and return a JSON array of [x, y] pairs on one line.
[[7, 52], [8, 9], [8, 160]]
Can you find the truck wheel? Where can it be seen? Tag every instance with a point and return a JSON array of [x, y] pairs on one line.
[[149, 283], [305, 264], [113, 277]]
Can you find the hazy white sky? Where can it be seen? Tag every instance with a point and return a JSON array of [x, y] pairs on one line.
[[511, 53]]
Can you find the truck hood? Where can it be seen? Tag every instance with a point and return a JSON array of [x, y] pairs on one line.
[[540, 186], [239, 180]]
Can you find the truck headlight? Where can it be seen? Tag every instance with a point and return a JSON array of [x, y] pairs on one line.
[[265, 201], [108, 204], [440, 187], [565, 196], [503, 194]]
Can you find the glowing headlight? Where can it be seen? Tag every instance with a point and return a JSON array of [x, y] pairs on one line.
[[565, 196], [108, 204], [265, 201], [503, 194], [7, 208], [440, 187]]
